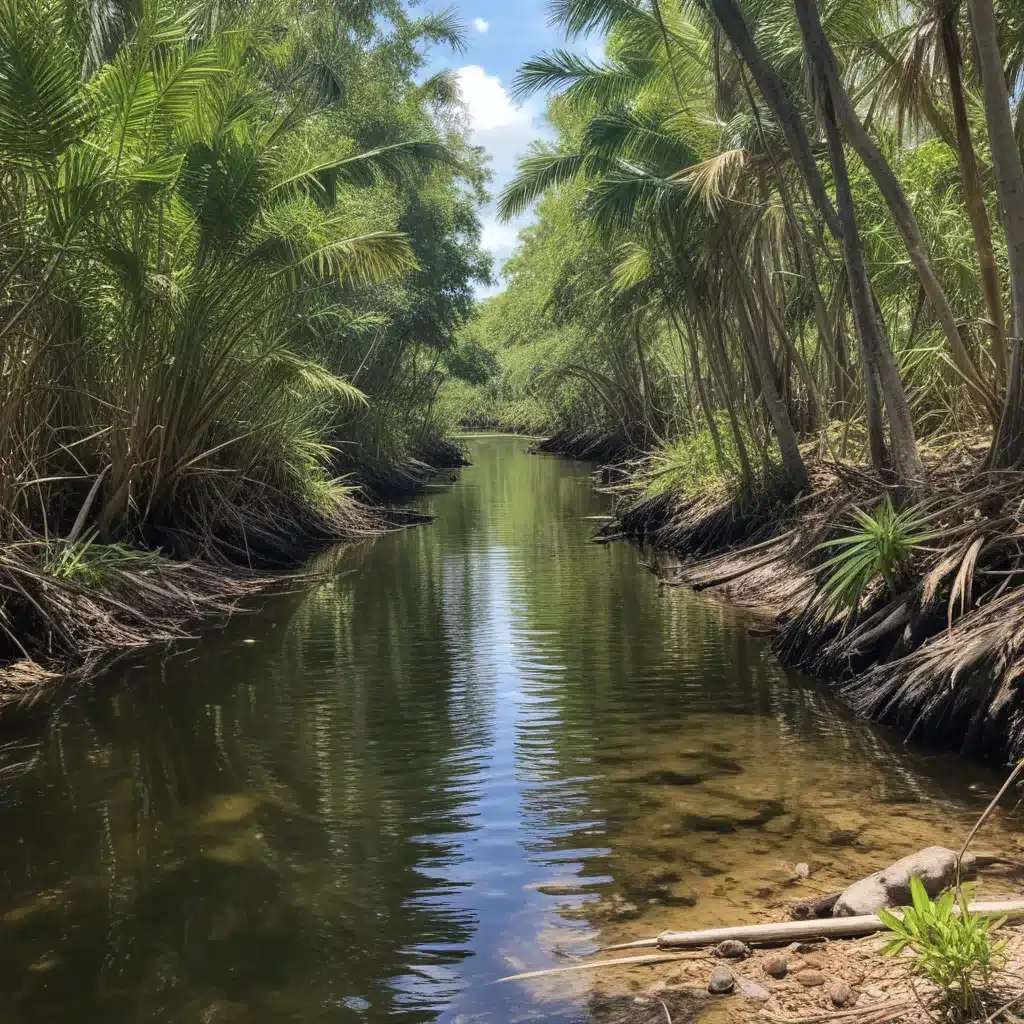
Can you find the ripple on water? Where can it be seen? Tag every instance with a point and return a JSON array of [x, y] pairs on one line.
[[468, 747]]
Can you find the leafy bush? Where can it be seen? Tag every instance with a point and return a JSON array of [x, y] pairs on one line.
[[952, 948], [882, 546]]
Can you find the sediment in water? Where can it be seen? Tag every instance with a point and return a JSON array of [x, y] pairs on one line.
[[940, 657]]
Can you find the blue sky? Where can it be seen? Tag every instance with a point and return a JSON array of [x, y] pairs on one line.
[[501, 36]]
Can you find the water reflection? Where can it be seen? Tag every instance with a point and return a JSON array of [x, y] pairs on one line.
[[469, 745]]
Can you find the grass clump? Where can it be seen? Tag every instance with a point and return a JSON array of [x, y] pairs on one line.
[[951, 947], [685, 466]]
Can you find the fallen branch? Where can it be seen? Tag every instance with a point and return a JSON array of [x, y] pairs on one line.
[[872, 1010], [797, 931], [649, 958]]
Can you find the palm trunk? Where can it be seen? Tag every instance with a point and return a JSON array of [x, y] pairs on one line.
[[767, 375], [1008, 445], [879, 366], [689, 346], [730, 17], [824, 66], [974, 197]]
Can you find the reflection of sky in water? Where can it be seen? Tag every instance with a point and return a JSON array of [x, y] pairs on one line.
[[471, 744]]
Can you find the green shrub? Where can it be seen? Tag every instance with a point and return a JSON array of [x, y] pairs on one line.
[[952, 947], [882, 546]]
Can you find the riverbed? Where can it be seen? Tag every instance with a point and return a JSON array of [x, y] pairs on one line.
[[467, 748]]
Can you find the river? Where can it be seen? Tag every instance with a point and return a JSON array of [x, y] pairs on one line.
[[468, 746]]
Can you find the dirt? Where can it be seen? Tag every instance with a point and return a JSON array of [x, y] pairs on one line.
[[880, 988]]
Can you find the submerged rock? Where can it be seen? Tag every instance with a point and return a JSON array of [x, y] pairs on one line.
[[721, 981], [890, 887]]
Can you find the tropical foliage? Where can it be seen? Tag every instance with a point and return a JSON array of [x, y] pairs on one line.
[[950, 946], [236, 240], [773, 225]]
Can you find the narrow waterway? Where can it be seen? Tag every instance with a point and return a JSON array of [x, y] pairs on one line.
[[473, 744]]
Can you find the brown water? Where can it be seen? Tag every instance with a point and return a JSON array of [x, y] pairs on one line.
[[474, 743]]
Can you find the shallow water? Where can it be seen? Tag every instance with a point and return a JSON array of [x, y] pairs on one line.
[[474, 744]]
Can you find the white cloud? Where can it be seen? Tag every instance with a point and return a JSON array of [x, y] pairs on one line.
[[480, 25], [487, 101], [498, 238], [505, 130]]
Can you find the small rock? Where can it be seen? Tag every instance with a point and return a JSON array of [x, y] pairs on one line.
[[657, 988], [840, 994], [752, 992], [806, 947], [812, 960], [732, 949], [721, 981], [803, 870], [874, 992], [810, 978], [775, 966]]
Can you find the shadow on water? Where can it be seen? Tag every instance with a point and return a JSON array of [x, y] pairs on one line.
[[469, 745]]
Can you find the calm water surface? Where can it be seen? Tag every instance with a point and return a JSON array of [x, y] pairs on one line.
[[473, 744]]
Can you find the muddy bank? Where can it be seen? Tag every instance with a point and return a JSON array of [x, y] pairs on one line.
[[802, 983], [64, 619], [589, 447], [381, 484], [937, 656]]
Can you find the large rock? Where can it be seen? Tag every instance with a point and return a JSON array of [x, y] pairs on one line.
[[721, 982], [935, 866]]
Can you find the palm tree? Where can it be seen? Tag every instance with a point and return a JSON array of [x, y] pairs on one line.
[[1008, 445]]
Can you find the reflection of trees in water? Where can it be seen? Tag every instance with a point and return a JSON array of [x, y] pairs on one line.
[[271, 827], [659, 732], [279, 826]]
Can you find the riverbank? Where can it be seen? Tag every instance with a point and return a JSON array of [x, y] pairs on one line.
[[67, 609], [936, 654]]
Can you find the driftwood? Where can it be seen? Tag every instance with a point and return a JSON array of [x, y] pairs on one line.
[[800, 931], [648, 958]]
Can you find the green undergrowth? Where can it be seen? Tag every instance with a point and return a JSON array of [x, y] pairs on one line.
[[683, 467], [91, 564]]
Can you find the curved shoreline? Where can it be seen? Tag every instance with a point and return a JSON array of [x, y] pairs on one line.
[[937, 660]]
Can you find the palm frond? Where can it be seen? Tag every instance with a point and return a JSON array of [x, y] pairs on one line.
[[538, 173]]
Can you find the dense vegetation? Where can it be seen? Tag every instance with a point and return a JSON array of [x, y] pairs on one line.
[[767, 226], [237, 238]]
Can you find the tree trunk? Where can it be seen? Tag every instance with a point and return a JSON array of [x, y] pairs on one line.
[[1008, 445], [974, 197], [729, 16], [879, 365], [792, 461], [824, 66], [690, 348]]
